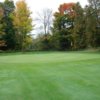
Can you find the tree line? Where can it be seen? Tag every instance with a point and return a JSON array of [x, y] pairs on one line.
[[15, 25], [72, 28]]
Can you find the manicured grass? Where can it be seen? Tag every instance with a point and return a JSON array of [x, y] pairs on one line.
[[50, 76]]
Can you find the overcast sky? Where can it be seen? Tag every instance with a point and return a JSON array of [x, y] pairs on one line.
[[38, 5]]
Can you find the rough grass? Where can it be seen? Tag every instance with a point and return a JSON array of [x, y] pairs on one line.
[[50, 76]]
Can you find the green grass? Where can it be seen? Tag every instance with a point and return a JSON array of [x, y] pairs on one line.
[[50, 76]]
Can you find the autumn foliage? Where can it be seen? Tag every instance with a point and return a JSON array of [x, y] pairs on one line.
[[2, 43], [66, 8]]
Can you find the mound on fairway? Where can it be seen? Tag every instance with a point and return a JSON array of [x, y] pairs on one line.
[[50, 76]]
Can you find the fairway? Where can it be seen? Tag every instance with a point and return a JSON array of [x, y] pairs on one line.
[[50, 76]]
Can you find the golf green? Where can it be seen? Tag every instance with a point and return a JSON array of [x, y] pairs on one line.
[[50, 76]]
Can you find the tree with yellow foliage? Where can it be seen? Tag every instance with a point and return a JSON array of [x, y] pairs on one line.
[[22, 22]]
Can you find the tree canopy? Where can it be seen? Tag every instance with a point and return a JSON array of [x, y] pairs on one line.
[[72, 27], [15, 25]]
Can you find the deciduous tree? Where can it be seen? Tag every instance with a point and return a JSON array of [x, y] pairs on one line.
[[45, 19], [22, 22], [78, 31], [62, 25]]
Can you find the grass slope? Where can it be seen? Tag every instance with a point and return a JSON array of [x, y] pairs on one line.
[[50, 76]]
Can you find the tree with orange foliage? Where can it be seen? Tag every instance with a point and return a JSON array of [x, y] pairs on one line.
[[67, 8], [69, 26], [63, 25]]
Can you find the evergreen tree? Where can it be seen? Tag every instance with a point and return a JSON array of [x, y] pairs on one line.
[[9, 37]]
